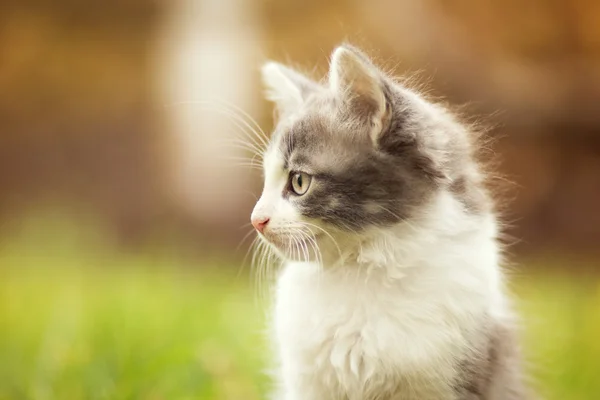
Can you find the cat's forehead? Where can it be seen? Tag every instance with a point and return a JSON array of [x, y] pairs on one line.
[[318, 139]]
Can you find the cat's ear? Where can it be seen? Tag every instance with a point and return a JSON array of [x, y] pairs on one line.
[[287, 88], [360, 85]]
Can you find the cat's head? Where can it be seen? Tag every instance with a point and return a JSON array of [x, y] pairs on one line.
[[352, 154]]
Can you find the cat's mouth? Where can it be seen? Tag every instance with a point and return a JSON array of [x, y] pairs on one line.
[[293, 243]]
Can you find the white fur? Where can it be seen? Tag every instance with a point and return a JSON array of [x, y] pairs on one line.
[[271, 203], [388, 314], [285, 87], [282, 89], [394, 313], [353, 78]]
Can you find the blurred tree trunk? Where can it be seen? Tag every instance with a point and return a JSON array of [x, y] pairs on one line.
[[208, 58]]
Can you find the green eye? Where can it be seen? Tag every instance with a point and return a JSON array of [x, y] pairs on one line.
[[300, 182]]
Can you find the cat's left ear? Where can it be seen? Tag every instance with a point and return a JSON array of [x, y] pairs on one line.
[[287, 88], [361, 87]]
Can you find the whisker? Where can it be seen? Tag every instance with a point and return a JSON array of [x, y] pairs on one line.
[[296, 253], [256, 148], [257, 138], [308, 238], [249, 117], [305, 253], [257, 264], [399, 218], [247, 224], [244, 239], [244, 114], [240, 145], [326, 233], [251, 166], [252, 244], [255, 198]]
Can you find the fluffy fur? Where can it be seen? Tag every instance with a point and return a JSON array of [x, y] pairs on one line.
[[391, 287]]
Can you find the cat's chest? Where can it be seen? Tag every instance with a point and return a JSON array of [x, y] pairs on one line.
[[333, 305], [353, 303], [364, 334]]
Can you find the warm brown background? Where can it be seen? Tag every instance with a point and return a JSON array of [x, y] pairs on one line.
[[82, 125]]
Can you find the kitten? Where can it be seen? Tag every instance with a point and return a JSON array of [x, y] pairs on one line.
[[391, 287]]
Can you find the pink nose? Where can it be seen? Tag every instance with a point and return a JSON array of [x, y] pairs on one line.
[[260, 223]]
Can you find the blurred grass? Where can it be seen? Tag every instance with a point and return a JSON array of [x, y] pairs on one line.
[[80, 322], [136, 333]]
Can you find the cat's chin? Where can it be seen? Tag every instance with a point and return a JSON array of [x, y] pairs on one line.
[[288, 257], [294, 249]]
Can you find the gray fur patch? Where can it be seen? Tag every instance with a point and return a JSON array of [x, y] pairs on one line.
[[493, 370], [357, 183]]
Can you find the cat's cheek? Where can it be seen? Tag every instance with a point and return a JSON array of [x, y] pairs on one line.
[[287, 212]]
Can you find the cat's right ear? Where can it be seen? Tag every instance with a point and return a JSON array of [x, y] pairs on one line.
[[287, 88]]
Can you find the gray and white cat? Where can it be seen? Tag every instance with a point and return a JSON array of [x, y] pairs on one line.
[[391, 287]]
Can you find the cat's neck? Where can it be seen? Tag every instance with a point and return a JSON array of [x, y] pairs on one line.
[[444, 232]]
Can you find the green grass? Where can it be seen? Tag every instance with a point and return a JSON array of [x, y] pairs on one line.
[[133, 334], [561, 333], [76, 323]]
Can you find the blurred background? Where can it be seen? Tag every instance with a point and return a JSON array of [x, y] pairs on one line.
[[123, 216]]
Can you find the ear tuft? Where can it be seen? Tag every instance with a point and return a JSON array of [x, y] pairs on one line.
[[287, 88], [360, 85], [349, 67]]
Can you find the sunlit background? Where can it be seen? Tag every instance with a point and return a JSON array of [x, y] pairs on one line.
[[123, 210]]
